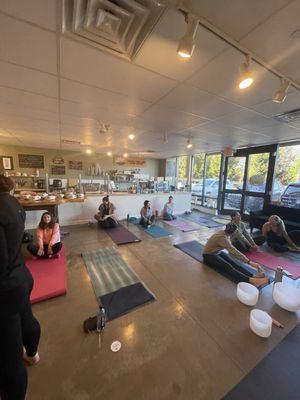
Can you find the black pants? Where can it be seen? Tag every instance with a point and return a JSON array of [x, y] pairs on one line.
[[108, 223], [144, 221], [17, 329], [34, 248], [224, 263], [280, 245], [243, 247]]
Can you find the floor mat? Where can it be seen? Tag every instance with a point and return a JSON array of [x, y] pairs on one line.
[[221, 220], [154, 230], [50, 277], [194, 249], [116, 285], [276, 377], [209, 223], [183, 225], [121, 235], [272, 262]]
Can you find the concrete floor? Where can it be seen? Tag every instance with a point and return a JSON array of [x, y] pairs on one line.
[[192, 343]]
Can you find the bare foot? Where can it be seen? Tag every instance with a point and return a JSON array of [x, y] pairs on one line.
[[30, 361], [259, 281]]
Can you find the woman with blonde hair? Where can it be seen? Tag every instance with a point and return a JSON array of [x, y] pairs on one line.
[[278, 238]]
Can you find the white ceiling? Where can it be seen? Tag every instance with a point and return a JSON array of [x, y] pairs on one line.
[[42, 73]]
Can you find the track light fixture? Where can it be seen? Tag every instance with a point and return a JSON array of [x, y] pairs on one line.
[[189, 144], [280, 94], [131, 136], [246, 78], [186, 44]]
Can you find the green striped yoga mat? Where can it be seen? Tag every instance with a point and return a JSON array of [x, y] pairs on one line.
[[116, 285]]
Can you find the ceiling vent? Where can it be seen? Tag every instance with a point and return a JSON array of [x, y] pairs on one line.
[[119, 26], [67, 141], [288, 117]]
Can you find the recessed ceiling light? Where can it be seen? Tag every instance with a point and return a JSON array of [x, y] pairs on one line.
[[125, 155], [131, 136], [109, 153], [280, 94], [246, 78], [88, 151], [189, 144], [186, 44]]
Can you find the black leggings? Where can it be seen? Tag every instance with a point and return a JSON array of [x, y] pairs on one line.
[[279, 244], [34, 248], [224, 263], [17, 330], [108, 223], [144, 221], [243, 247]]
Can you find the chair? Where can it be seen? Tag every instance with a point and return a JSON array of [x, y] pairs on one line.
[[260, 323], [287, 296], [247, 293]]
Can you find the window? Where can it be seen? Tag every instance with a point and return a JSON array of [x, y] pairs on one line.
[[183, 172], [211, 180], [257, 172], [286, 185]]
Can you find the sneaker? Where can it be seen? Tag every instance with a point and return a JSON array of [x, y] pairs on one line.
[[30, 361]]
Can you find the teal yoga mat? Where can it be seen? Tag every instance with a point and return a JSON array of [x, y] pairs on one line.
[[154, 230]]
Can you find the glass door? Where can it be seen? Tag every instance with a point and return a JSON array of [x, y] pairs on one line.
[[248, 180]]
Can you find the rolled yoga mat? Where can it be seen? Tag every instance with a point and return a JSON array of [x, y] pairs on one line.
[[117, 287], [272, 262], [121, 235], [154, 230], [195, 249], [183, 225], [50, 277], [276, 377]]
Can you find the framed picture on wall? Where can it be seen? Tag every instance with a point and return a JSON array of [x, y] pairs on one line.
[[6, 163]]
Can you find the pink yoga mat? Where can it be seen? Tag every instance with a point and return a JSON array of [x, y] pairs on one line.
[[184, 226], [50, 277], [272, 262]]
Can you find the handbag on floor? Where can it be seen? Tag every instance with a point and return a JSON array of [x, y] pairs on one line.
[[96, 323]]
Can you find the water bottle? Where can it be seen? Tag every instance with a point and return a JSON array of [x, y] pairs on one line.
[[127, 219], [101, 319], [278, 275]]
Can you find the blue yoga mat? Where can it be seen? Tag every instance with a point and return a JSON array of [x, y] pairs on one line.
[[202, 220], [194, 249], [154, 231]]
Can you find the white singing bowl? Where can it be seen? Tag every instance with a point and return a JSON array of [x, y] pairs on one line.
[[260, 323], [287, 296], [247, 293]]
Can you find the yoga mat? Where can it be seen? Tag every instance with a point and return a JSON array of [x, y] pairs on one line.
[[202, 221], [272, 262], [116, 285], [194, 249], [121, 235], [184, 226], [276, 377], [222, 221], [154, 230], [50, 277]]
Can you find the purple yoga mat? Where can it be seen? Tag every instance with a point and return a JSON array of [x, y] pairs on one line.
[[272, 262], [184, 226], [121, 235]]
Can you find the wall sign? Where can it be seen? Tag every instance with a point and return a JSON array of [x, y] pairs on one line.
[[58, 170], [58, 160], [75, 165], [31, 161], [132, 162], [6, 162]]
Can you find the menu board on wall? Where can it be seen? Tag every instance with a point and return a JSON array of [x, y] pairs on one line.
[[75, 165], [31, 161], [132, 162], [58, 170]]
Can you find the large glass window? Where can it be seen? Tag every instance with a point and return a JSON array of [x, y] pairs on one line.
[[286, 185], [197, 178], [257, 172], [211, 180], [171, 172], [235, 173], [183, 172]]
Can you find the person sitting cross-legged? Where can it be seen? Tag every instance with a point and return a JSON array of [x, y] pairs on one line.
[[241, 238], [168, 210], [48, 238], [231, 261], [106, 216], [147, 215]]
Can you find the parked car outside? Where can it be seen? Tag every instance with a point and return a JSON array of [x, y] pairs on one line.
[[291, 195]]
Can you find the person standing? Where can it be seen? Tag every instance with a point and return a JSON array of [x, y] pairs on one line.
[[18, 326]]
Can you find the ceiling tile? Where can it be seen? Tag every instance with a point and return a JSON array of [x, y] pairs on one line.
[[28, 124], [235, 17], [100, 69], [271, 41], [23, 78], [27, 45], [270, 108], [247, 119], [101, 99], [40, 12], [28, 112], [159, 52], [281, 132], [193, 100]]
